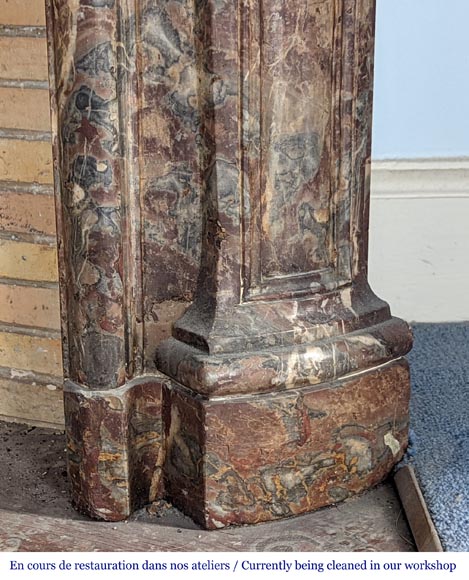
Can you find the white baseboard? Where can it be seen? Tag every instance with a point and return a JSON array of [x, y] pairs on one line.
[[419, 238]]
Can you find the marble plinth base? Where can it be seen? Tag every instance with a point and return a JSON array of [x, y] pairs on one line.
[[115, 451], [248, 459], [237, 459]]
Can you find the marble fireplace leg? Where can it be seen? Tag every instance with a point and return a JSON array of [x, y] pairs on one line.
[[112, 411], [289, 391], [283, 387]]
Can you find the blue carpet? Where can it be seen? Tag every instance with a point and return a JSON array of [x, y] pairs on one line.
[[439, 448]]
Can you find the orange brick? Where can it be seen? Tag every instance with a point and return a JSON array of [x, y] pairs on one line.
[[22, 12], [27, 306], [26, 161], [31, 353], [25, 261], [33, 403], [27, 213], [23, 58], [24, 109]]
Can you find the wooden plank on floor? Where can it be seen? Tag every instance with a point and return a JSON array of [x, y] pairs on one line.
[[418, 516], [33, 533], [364, 523]]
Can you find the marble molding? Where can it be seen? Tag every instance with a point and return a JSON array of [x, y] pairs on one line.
[[222, 347], [115, 447]]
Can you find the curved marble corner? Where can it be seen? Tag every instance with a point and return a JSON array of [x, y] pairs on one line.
[[254, 458], [279, 369], [115, 447]]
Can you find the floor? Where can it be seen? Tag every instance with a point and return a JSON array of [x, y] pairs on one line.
[[439, 411], [36, 515]]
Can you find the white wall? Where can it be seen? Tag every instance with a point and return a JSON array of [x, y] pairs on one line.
[[421, 79], [419, 237]]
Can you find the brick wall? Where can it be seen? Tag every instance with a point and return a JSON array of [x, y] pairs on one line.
[[30, 353]]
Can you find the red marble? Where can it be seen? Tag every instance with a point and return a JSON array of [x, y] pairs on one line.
[[238, 460], [115, 448], [222, 346]]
